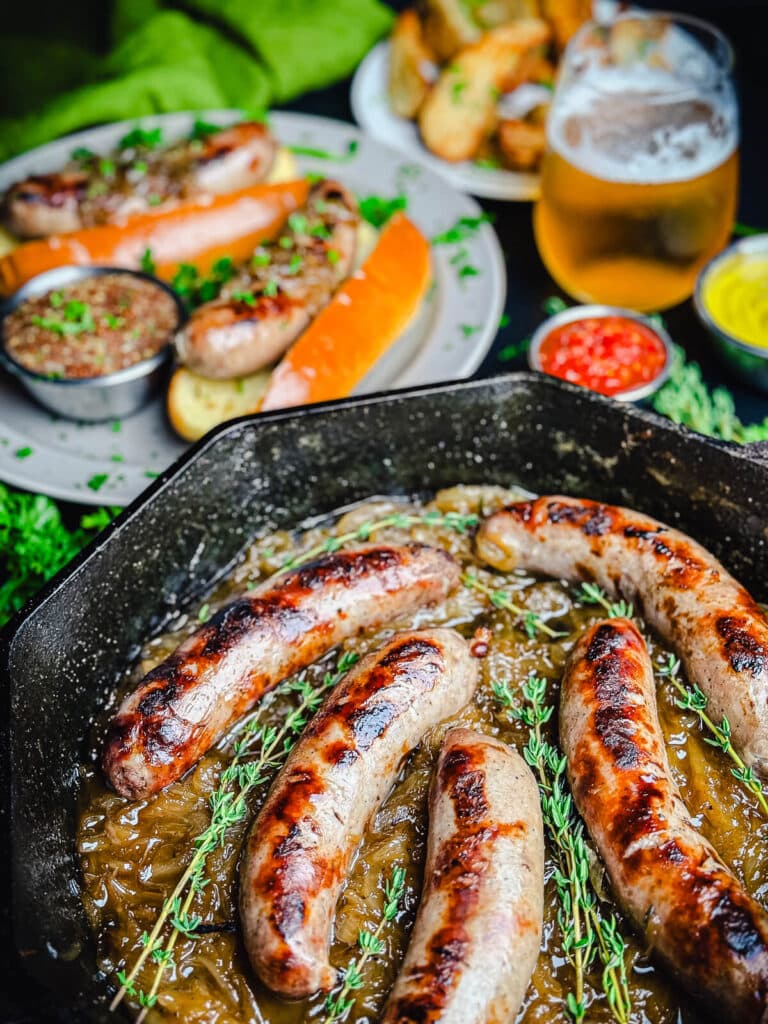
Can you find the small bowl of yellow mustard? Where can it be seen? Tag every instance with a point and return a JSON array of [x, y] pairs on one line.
[[731, 299]]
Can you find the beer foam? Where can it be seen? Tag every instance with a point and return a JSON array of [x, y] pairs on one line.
[[642, 125]]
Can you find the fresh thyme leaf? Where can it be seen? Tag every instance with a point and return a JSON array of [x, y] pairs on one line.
[[532, 623], [690, 698], [686, 399]]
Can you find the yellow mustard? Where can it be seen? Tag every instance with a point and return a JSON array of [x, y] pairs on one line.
[[735, 294]]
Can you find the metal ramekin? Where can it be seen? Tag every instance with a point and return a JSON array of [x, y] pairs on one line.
[[91, 399], [638, 394], [748, 362]]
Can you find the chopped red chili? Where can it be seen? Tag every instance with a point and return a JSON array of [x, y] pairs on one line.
[[608, 354]]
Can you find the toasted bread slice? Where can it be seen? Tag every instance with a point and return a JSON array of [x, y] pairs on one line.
[[197, 404]]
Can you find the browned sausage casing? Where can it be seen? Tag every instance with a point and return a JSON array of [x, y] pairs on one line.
[[303, 840], [267, 305], [693, 912], [182, 707], [478, 930], [137, 179], [716, 628]]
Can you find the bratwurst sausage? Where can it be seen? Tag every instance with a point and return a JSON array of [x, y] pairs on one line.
[[135, 178], [680, 589], [184, 705], [478, 930], [272, 298], [694, 913], [336, 777]]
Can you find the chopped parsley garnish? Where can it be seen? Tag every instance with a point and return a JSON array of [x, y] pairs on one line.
[[194, 289], [97, 481], [116, 457], [488, 163], [296, 263], [744, 230], [504, 320], [554, 304], [117, 426], [320, 231], [517, 348], [107, 167], [112, 321], [140, 167], [457, 90], [469, 329], [23, 453], [333, 256], [147, 138], [202, 129], [298, 222], [55, 299], [204, 613], [247, 297], [261, 259], [313, 177], [154, 199], [82, 155], [151, 474], [270, 289], [378, 209], [464, 228], [77, 318], [468, 271], [286, 242], [147, 263], [323, 154]]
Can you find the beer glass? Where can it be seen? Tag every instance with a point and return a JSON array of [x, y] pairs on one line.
[[640, 177]]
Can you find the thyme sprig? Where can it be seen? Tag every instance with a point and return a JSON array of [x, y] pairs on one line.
[[532, 623], [257, 752], [585, 932], [690, 698], [590, 593], [455, 521], [370, 943]]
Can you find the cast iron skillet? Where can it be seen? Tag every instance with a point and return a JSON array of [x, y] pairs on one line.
[[62, 655]]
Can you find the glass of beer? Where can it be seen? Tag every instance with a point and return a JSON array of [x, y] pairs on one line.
[[640, 177]]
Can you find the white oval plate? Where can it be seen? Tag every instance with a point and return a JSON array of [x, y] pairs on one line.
[[370, 105], [108, 463]]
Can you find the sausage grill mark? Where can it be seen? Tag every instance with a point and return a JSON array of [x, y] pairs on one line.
[[743, 650]]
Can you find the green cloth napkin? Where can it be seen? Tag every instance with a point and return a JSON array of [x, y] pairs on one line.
[[213, 53]]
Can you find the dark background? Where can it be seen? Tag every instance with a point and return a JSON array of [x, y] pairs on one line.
[[743, 21]]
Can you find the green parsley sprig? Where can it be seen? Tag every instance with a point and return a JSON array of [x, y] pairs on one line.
[[370, 944], [257, 753], [585, 931]]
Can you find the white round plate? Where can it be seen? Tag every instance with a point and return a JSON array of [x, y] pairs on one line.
[[370, 105], [110, 463]]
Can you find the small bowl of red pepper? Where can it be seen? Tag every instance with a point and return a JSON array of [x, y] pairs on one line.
[[607, 349]]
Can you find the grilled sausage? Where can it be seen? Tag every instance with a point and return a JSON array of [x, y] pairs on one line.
[[336, 777], [680, 589], [184, 705], [478, 930], [96, 190], [267, 305], [693, 912]]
